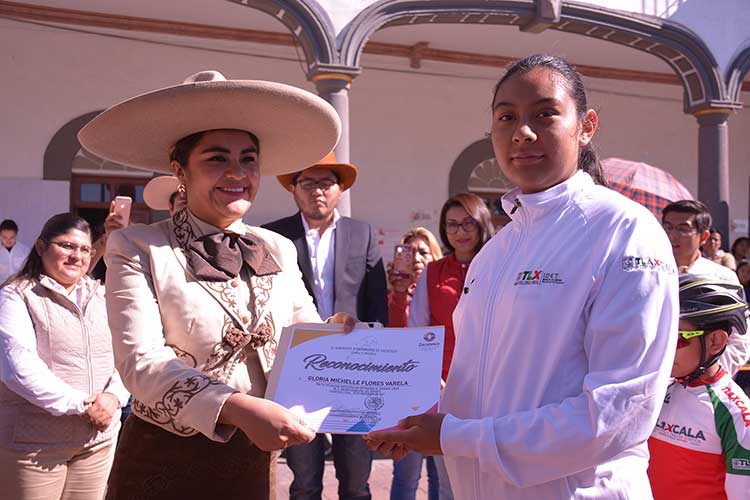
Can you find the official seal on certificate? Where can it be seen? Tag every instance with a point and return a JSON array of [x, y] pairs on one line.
[[353, 383]]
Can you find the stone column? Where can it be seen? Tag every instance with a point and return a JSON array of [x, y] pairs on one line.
[[334, 86], [713, 165]]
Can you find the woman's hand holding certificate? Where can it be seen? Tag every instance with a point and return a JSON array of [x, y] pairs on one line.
[[366, 380]]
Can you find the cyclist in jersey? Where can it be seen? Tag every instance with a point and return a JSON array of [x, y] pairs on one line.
[[700, 448]]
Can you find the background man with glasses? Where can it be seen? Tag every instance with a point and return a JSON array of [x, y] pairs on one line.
[[687, 224], [342, 269]]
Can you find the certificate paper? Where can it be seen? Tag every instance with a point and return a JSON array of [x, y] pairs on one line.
[[353, 383]]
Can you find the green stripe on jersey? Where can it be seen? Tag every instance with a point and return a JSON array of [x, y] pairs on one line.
[[737, 457]]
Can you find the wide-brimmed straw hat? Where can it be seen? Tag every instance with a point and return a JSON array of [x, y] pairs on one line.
[[157, 192], [294, 127], [346, 172]]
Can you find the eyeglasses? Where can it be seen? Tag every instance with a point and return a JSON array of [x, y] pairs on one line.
[[681, 229], [686, 335], [71, 248], [310, 184], [468, 225]]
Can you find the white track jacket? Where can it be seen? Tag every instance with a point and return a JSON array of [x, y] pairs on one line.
[[565, 337]]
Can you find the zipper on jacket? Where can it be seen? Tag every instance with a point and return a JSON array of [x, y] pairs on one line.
[[489, 319], [87, 345]]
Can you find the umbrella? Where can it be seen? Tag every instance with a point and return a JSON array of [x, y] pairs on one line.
[[650, 186]]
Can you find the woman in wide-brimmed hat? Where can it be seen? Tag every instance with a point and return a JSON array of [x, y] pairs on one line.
[[196, 303]]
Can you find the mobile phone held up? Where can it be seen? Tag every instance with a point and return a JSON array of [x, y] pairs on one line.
[[122, 208], [403, 261]]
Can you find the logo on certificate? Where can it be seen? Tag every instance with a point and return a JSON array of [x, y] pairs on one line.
[[374, 402], [429, 336]]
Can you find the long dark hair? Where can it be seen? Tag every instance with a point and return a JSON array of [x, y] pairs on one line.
[[57, 225], [588, 161], [478, 211]]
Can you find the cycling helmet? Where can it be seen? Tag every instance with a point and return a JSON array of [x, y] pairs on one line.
[[709, 302]]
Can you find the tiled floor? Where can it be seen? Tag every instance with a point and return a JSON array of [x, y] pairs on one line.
[[380, 481]]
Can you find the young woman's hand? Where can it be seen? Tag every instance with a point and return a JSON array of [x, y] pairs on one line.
[[420, 433], [101, 409], [267, 424]]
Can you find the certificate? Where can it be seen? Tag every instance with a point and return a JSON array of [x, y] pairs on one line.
[[353, 383]]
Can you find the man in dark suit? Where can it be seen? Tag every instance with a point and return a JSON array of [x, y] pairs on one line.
[[343, 271]]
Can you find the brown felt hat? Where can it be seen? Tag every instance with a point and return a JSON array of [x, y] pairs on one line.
[[293, 126], [346, 172]]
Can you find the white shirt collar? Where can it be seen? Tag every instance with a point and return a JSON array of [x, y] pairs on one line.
[[308, 229]]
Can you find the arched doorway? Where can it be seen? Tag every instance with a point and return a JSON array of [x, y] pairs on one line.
[[476, 171], [94, 182]]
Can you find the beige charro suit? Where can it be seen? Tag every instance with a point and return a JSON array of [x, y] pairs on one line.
[[181, 345]]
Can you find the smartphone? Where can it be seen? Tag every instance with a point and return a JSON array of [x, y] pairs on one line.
[[403, 261], [122, 208]]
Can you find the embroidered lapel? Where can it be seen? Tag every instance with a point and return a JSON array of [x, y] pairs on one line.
[[181, 233], [254, 329]]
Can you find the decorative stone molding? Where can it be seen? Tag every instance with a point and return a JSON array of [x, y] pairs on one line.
[[679, 47], [736, 74], [308, 22]]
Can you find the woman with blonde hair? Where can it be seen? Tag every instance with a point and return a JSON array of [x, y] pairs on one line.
[[425, 249]]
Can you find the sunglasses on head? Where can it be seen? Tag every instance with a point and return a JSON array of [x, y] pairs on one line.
[[686, 335]]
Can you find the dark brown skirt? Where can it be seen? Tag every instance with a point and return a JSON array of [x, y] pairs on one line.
[[151, 463]]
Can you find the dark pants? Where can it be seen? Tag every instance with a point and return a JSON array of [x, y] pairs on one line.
[[351, 458]]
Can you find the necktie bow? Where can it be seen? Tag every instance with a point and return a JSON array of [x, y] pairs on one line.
[[220, 256]]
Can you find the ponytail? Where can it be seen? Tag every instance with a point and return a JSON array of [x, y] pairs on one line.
[[588, 161]]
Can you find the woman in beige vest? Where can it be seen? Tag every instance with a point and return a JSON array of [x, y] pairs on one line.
[[60, 395], [197, 302]]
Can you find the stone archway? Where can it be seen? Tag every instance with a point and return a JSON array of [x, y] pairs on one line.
[[736, 73], [679, 47], [63, 148], [309, 23], [476, 170]]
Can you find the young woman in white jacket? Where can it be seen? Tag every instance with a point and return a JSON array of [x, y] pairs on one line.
[[564, 337]]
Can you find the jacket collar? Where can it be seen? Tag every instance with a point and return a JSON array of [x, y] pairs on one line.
[[188, 228], [534, 205], [87, 287]]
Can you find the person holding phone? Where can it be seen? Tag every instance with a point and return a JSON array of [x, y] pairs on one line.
[[565, 326], [117, 218], [196, 302], [465, 227], [403, 275], [402, 278]]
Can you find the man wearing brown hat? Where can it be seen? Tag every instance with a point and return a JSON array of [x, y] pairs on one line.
[[341, 266]]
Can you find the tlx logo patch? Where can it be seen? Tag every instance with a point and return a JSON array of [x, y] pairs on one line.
[[538, 277], [632, 263]]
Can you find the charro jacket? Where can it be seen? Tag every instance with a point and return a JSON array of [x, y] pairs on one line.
[[77, 348], [183, 345]]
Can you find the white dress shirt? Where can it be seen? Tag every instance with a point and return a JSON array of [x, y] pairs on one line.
[[322, 255], [24, 372], [11, 262]]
